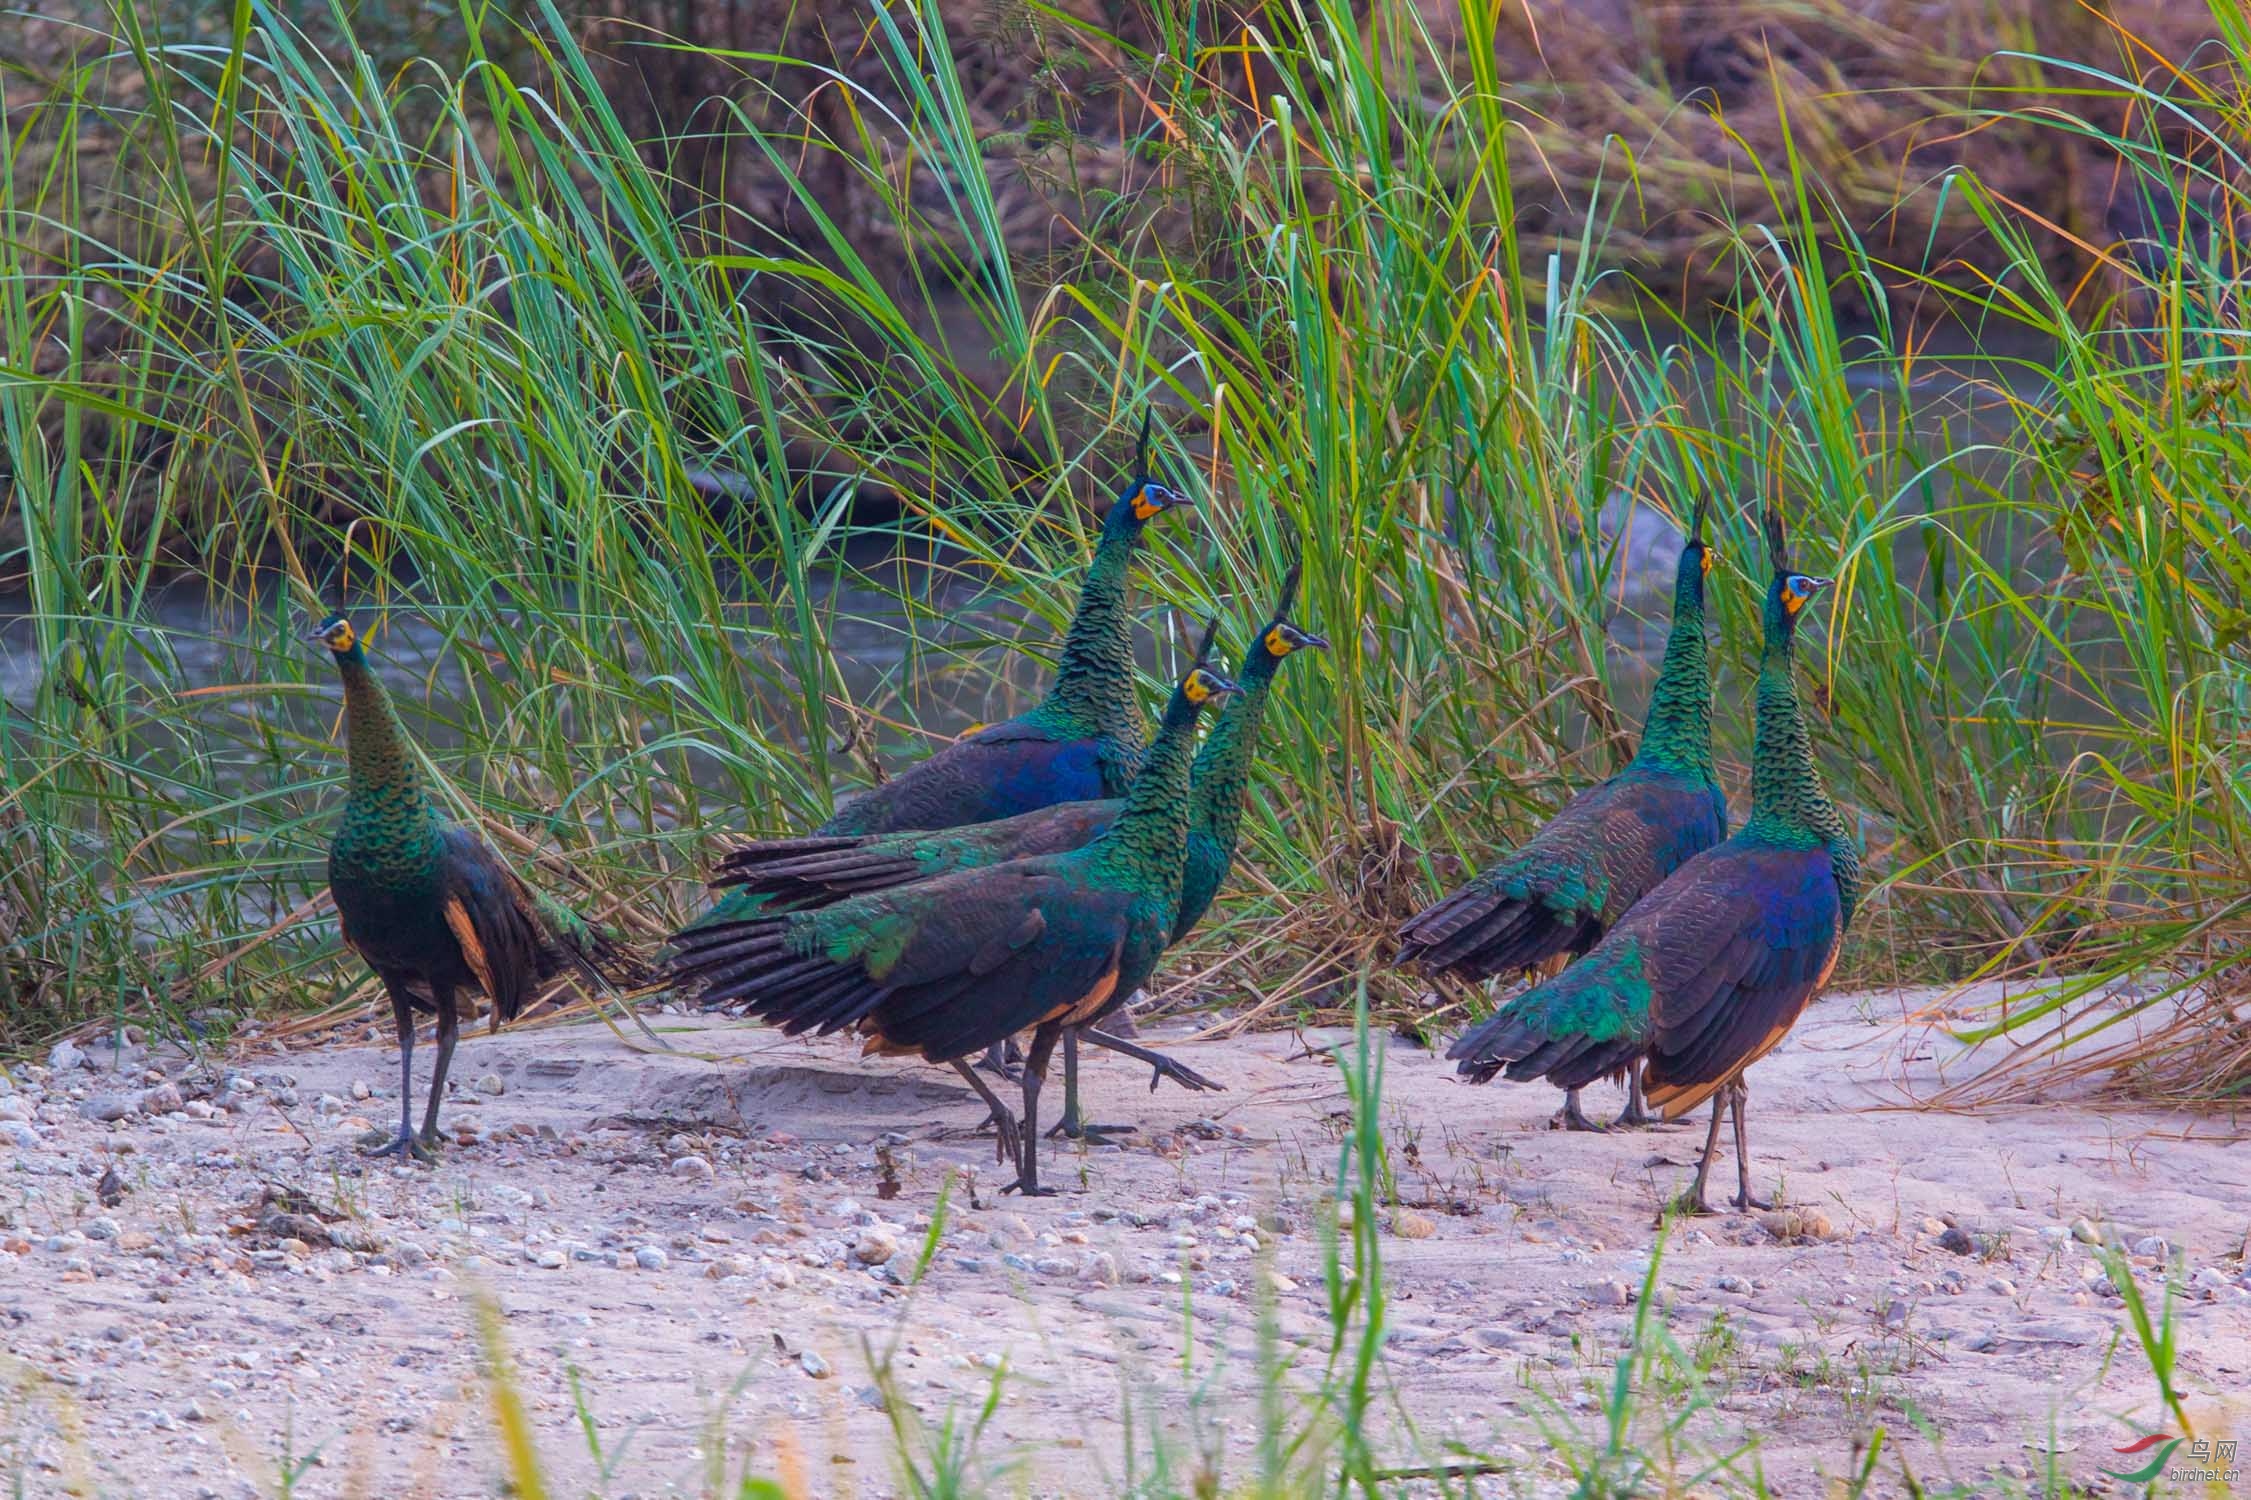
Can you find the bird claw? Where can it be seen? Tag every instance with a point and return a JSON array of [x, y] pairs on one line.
[[1749, 1200], [1008, 1142], [404, 1147], [1032, 1192], [1001, 1070], [1691, 1204], [1572, 1118], [1180, 1073], [1092, 1135]]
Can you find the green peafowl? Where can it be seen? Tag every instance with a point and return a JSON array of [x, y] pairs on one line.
[[949, 966], [426, 901], [800, 874], [1555, 896], [1710, 970], [1082, 740]]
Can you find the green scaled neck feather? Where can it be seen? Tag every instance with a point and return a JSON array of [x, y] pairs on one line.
[[1145, 845], [1092, 694], [389, 823], [1790, 807], [1678, 735], [1223, 767]]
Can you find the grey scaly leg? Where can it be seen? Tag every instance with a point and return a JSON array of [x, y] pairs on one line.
[[1162, 1066], [1693, 1201], [449, 1032], [1010, 1147], [1035, 1073], [402, 1015], [1739, 1094], [1636, 1114], [1574, 1118]]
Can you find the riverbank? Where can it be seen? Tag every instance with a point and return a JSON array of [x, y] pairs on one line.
[[701, 1253]]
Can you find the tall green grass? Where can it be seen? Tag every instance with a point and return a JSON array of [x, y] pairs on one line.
[[444, 341]]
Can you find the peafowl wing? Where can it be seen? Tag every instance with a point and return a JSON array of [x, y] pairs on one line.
[[1557, 893]]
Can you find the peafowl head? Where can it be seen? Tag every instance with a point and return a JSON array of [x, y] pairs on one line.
[[1791, 590], [1202, 685], [1281, 638], [337, 634], [1144, 499]]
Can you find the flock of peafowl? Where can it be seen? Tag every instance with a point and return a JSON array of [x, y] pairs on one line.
[[1025, 881]]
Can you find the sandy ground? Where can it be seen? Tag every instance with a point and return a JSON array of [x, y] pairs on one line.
[[214, 1282]]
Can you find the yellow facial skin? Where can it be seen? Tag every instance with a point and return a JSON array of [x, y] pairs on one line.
[[339, 637], [1794, 598], [1277, 644], [1706, 562], [1198, 687]]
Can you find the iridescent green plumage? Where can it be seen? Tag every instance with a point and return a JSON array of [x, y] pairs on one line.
[[1554, 896], [426, 901], [946, 967], [1710, 970]]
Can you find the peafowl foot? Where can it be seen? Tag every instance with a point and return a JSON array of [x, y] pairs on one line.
[[1750, 1200], [1032, 1189], [1161, 1067], [1008, 1143], [996, 1062], [406, 1146], [1691, 1204], [1633, 1117], [1091, 1135], [1571, 1117], [432, 1142]]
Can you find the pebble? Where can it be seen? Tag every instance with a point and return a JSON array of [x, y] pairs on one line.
[[107, 1229], [1733, 1284], [2210, 1280], [66, 1055], [694, 1168], [360, 1090], [1015, 1262], [650, 1258], [2153, 1246], [1409, 1225], [1101, 1268], [974, 1265], [493, 1084], [1276, 1282], [1610, 1294], [107, 1108], [875, 1248], [813, 1364], [1791, 1224], [1053, 1265], [548, 1260], [19, 1135], [1957, 1240], [2085, 1233], [2002, 1286]]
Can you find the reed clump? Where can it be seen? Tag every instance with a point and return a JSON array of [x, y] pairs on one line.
[[597, 438]]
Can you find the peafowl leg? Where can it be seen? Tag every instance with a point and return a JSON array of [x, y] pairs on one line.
[[1010, 1147], [1575, 1118], [1739, 1094], [1072, 1125], [449, 1032], [1000, 1059], [1162, 1067], [1693, 1201], [1035, 1074], [1635, 1116], [402, 1014]]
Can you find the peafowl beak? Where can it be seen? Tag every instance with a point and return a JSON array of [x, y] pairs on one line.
[[1799, 590], [1154, 499]]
